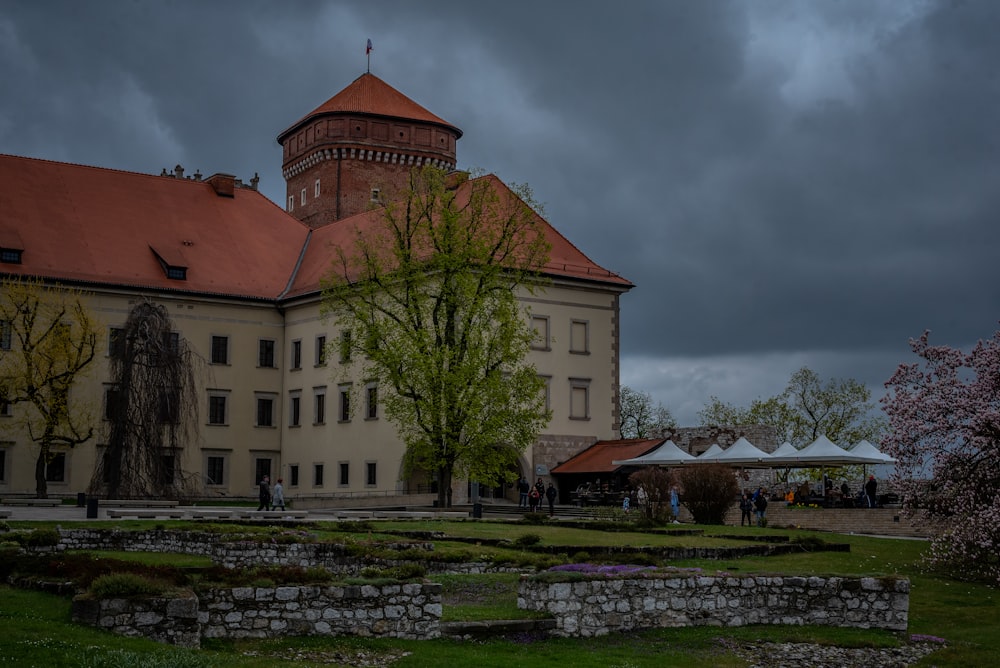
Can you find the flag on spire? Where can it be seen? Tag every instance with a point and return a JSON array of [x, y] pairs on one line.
[[368, 49]]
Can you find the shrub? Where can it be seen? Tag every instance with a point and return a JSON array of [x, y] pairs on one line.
[[709, 491], [126, 585], [43, 538], [527, 540], [401, 572], [535, 518]]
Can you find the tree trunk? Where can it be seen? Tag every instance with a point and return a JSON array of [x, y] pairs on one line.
[[444, 487]]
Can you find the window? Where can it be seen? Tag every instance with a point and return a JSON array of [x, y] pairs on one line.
[[215, 470], [375, 194], [548, 391], [55, 468], [345, 474], [579, 398], [579, 337], [6, 408], [10, 255], [169, 405], [261, 468], [317, 475], [217, 409], [316, 189], [3, 463], [291, 202], [296, 354], [4, 334], [220, 350], [540, 324], [116, 342], [112, 397], [302, 197], [371, 469], [293, 408], [177, 273], [321, 350], [168, 470], [265, 410], [265, 354], [345, 403], [319, 405], [345, 346], [293, 475], [371, 402]]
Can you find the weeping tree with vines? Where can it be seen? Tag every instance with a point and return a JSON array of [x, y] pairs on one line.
[[151, 409]]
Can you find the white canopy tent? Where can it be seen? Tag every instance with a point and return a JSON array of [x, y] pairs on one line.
[[784, 450], [822, 452], [743, 453], [667, 454], [713, 451], [866, 449]]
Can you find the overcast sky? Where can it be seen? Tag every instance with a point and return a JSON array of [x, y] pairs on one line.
[[787, 183]]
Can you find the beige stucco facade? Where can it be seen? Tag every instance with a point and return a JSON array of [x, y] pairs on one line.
[[321, 447]]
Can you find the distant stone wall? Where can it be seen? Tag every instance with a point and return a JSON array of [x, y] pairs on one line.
[[410, 611], [601, 606], [696, 440]]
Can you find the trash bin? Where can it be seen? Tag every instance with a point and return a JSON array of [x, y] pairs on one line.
[[435, 503], [477, 511], [81, 499], [92, 508]]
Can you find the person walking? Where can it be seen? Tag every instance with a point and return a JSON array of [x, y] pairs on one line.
[[264, 493], [871, 491], [551, 493], [523, 487], [760, 505], [278, 499], [746, 509], [675, 504], [534, 499]]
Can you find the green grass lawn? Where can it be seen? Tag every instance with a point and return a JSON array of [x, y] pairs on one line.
[[38, 630]]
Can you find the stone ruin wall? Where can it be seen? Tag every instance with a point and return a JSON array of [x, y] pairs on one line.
[[597, 607]]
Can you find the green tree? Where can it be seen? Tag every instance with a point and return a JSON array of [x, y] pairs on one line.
[[49, 341], [708, 491], [429, 297], [639, 418], [842, 410]]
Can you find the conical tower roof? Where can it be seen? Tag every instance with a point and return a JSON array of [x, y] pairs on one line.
[[371, 96]]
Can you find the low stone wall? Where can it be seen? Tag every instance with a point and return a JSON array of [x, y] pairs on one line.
[[410, 611], [390, 611], [600, 606], [223, 550], [168, 620]]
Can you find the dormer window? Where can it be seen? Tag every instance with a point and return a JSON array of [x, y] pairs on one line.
[[10, 255], [173, 263], [375, 195]]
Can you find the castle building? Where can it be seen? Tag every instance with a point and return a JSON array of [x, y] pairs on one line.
[[240, 278]]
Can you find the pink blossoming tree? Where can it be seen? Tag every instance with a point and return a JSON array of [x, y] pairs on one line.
[[944, 418]]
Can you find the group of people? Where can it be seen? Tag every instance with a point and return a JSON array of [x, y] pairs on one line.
[[752, 504], [269, 501], [531, 496]]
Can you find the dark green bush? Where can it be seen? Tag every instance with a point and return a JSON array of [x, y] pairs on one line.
[[535, 518], [401, 572], [43, 538], [708, 491], [527, 540]]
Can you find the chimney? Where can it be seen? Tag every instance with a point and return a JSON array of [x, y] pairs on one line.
[[179, 172], [223, 184]]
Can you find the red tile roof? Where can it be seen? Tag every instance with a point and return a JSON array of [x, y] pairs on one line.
[[598, 457], [101, 226], [94, 225], [370, 95]]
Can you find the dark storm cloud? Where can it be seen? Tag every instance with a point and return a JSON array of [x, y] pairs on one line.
[[787, 183]]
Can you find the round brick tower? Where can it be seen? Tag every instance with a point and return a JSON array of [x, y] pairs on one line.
[[358, 147]]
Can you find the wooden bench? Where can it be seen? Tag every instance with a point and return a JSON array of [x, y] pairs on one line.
[[138, 503], [26, 501], [353, 514], [144, 513]]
